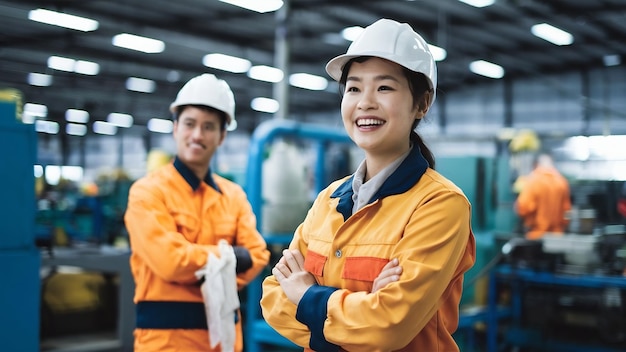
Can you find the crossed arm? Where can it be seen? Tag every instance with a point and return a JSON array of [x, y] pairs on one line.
[[295, 281]]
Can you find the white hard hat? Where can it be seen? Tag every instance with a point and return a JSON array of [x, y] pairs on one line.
[[208, 90], [393, 41]]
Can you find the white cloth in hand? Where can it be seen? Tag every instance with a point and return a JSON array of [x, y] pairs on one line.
[[219, 292]]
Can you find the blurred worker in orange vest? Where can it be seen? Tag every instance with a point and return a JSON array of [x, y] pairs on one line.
[[544, 200]]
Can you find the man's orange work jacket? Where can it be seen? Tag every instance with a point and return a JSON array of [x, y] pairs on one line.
[[174, 220]]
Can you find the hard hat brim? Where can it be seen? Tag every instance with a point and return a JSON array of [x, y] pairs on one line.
[[334, 67]]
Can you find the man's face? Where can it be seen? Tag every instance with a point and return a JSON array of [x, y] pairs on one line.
[[198, 134]]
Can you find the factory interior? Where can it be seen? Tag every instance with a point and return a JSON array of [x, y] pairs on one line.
[[83, 115]]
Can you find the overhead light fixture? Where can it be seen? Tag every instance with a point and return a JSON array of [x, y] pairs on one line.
[[39, 79], [487, 69], [67, 64], [611, 60], [101, 127], [120, 120], [75, 129], [45, 126], [76, 116], [142, 85], [478, 3], [61, 63], [138, 43], [351, 33], [63, 20], [265, 73], [226, 63], [552, 34], [260, 6], [86, 68], [265, 105], [160, 125], [439, 54], [33, 111], [308, 81]]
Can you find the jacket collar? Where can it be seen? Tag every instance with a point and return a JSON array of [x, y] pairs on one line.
[[406, 176], [191, 178]]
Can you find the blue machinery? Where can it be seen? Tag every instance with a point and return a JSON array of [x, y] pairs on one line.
[[19, 258], [257, 331], [520, 279]]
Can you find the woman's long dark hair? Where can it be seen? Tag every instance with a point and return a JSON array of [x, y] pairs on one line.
[[418, 84]]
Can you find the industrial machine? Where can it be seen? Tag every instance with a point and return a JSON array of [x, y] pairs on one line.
[[567, 292], [19, 295]]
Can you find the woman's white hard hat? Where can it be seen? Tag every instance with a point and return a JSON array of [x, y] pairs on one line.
[[211, 91], [393, 41]]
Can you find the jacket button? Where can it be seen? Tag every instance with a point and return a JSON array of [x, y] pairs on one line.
[[338, 253]]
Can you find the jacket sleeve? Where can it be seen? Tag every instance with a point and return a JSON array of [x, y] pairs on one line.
[[435, 251], [251, 239], [278, 311], [154, 237]]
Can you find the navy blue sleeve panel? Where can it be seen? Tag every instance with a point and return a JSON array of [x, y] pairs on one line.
[[244, 261], [312, 311]]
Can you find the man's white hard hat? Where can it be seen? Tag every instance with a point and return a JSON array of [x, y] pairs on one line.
[[208, 90]]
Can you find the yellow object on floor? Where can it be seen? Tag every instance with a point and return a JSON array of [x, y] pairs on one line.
[[65, 293]]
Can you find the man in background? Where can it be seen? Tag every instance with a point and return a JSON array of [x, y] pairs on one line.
[[177, 216], [544, 200]]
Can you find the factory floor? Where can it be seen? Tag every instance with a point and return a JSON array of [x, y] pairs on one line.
[[100, 342]]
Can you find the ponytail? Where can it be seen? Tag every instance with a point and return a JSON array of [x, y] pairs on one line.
[[426, 153]]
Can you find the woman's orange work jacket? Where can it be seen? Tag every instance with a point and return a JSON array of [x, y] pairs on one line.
[[418, 217]]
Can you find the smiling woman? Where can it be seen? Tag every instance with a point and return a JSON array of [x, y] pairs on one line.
[[392, 241]]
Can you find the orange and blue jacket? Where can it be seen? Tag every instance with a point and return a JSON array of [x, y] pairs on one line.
[[543, 202], [174, 220], [417, 216]]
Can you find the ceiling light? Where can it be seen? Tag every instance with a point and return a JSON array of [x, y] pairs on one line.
[[135, 42], [86, 67], [101, 127], [63, 20], [351, 33], [479, 3], [308, 81], [66, 64], [140, 85], [265, 105], [439, 54], [611, 60], [487, 69], [61, 63], [120, 120], [265, 73], [44, 126], [37, 110], [260, 6], [552, 34], [160, 125], [33, 111], [39, 79], [75, 129], [76, 116], [226, 63]]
